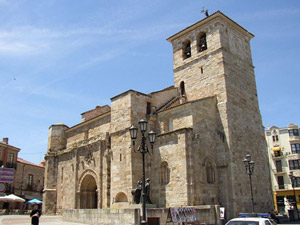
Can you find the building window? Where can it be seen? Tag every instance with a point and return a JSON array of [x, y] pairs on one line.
[[275, 138], [11, 157], [164, 173], [171, 124], [295, 148], [297, 182], [148, 110], [201, 70], [210, 173], [201, 42], [29, 181], [186, 48], [182, 88], [278, 166], [280, 182], [294, 164], [294, 132]]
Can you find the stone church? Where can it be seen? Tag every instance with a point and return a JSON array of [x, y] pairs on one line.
[[205, 123]]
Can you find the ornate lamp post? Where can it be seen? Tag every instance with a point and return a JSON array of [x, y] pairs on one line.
[[293, 179], [143, 149], [249, 165]]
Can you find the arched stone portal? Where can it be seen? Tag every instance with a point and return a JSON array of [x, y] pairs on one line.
[[88, 193]]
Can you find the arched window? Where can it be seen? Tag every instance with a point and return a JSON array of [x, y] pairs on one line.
[[121, 197], [186, 49], [164, 173], [210, 173], [201, 42], [182, 88]]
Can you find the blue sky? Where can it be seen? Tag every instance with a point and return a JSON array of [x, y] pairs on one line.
[[61, 58]]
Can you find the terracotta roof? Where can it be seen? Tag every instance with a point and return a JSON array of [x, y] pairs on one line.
[[10, 146], [172, 103], [42, 164], [20, 160], [179, 100]]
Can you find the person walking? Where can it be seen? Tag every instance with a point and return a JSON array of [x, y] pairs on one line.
[[35, 215]]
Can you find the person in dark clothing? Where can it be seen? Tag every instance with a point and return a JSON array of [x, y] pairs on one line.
[[35, 215]]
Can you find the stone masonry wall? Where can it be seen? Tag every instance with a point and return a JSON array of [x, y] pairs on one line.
[[88, 130], [245, 126], [103, 216], [208, 214], [172, 150], [121, 164]]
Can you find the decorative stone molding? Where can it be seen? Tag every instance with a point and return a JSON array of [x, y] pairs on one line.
[[89, 157]]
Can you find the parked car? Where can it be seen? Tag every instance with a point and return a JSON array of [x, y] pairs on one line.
[[251, 221]]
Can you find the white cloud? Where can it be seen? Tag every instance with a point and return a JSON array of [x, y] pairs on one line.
[[29, 40]]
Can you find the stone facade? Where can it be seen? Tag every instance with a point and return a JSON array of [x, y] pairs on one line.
[[206, 123]]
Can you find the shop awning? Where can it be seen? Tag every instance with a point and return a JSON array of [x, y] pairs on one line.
[[276, 149]]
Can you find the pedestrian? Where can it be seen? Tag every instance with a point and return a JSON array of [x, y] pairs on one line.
[[35, 215]]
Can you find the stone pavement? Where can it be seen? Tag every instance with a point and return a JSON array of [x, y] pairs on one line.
[[25, 219]]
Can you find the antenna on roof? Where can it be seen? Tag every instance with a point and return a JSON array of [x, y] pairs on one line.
[[205, 11]]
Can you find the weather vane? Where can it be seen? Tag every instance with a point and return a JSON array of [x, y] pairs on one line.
[[205, 11]]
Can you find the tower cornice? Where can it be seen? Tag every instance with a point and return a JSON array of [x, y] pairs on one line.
[[208, 19]]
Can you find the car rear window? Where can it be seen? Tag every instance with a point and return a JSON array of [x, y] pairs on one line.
[[243, 223]]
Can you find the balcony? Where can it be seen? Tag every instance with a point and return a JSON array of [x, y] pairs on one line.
[[282, 187], [279, 154], [11, 165], [280, 171]]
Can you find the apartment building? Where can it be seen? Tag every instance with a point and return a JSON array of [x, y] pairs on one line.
[[29, 180], [8, 164], [284, 157]]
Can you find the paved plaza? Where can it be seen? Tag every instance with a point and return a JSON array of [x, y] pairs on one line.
[[25, 219], [57, 220]]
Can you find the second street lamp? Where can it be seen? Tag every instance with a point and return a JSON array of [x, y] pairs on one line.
[[293, 179], [143, 149], [249, 165]]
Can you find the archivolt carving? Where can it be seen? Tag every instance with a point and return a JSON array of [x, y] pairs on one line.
[[208, 159], [85, 173]]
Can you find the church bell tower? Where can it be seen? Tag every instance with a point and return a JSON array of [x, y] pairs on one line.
[[213, 58]]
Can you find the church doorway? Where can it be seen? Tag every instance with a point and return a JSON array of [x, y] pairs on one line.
[[88, 193]]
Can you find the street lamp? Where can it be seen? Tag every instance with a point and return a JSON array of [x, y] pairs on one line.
[[249, 165], [293, 179], [142, 148]]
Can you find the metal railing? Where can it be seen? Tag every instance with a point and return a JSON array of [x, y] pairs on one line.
[[11, 165]]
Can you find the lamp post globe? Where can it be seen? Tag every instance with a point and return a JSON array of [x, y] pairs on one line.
[[249, 165], [133, 132], [143, 125]]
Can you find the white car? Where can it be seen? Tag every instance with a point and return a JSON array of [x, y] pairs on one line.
[[251, 221]]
